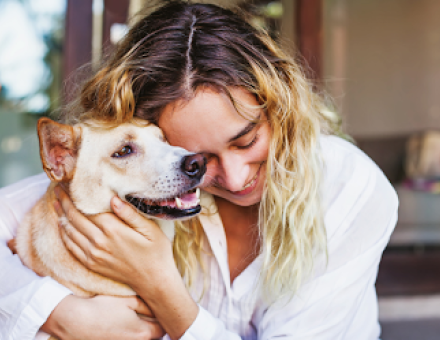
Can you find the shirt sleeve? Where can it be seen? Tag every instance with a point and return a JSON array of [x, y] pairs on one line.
[[208, 327], [26, 299], [339, 301]]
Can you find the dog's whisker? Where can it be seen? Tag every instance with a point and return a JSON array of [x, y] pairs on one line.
[[213, 181]]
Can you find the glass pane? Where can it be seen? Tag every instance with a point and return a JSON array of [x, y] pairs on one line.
[[31, 36]]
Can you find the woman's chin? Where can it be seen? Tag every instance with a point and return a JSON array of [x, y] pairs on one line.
[[248, 200], [247, 197]]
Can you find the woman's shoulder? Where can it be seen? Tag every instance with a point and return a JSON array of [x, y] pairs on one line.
[[352, 183], [346, 166], [339, 152]]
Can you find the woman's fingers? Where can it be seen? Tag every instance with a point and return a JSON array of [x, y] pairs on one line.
[[140, 307], [130, 215], [72, 246], [75, 218], [156, 330], [81, 237], [135, 303]]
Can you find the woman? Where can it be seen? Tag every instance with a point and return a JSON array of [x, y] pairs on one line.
[[298, 218]]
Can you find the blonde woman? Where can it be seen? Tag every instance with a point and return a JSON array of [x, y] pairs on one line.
[[295, 219]]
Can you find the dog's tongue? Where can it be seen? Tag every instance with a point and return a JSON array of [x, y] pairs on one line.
[[187, 200]]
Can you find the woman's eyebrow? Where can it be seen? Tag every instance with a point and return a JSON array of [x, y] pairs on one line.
[[248, 128]]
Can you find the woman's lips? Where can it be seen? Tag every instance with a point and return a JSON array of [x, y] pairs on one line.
[[250, 186]]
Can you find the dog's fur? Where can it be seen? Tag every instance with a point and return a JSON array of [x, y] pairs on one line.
[[93, 166]]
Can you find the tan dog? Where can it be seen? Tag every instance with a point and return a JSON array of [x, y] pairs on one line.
[[94, 164]]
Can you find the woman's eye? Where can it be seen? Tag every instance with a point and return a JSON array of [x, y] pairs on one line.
[[248, 146], [125, 151]]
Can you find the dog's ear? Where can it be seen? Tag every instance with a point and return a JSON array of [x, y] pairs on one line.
[[59, 146]]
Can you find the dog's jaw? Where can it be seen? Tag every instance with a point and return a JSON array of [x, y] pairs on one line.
[[167, 227], [183, 205]]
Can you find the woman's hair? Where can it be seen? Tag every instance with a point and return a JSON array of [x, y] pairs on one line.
[[183, 47]]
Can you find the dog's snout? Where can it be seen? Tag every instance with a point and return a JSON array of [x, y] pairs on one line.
[[194, 166]]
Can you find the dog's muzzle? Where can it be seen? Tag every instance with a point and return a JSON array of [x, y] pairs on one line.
[[185, 204]]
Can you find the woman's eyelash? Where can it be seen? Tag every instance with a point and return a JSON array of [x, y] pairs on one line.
[[251, 144]]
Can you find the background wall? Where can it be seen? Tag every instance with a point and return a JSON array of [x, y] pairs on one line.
[[382, 64]]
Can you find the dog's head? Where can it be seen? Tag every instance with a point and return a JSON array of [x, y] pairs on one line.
[[131, 161]]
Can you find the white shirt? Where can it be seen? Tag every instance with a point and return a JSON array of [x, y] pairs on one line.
[[338, 302]]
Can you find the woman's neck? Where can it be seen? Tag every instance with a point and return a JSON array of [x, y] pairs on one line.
[[242, 237], [235, 217]]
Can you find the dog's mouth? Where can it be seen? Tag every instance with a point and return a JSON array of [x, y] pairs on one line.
[[184, 205]]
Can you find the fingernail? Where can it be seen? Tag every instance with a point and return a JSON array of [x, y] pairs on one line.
[[117, 202]]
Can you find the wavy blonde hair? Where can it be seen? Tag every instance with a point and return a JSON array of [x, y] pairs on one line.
[[182, 47]]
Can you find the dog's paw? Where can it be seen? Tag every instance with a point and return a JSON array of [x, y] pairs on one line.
[[12, 244]]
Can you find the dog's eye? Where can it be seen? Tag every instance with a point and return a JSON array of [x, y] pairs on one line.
[[125, 151]]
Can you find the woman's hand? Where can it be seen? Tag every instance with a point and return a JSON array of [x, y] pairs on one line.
[[128, 249], [101, 318]]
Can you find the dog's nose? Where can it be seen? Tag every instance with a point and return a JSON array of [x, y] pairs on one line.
[[194, 166]]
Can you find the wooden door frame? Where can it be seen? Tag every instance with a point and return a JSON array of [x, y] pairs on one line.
[[78, 36], [309, 35], [77, 43]]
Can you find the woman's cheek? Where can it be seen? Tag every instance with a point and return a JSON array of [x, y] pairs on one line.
[[210, 175], [262, 149]]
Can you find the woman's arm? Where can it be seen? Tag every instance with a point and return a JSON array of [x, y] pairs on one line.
[[28, 301], [101, 318]]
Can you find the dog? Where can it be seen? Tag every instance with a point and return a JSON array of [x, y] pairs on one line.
[[93, 164]]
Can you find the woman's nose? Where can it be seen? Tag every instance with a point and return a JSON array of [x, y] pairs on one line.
[[234, 173]]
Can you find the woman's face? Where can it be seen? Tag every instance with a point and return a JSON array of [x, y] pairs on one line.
[[236, 149]]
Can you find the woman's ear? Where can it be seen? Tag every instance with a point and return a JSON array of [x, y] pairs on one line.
[[59, 146]]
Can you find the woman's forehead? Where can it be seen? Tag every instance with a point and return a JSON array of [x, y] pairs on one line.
[[209, 117]]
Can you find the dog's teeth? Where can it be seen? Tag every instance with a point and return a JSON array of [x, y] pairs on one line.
[[198, 193], [178, 202]]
